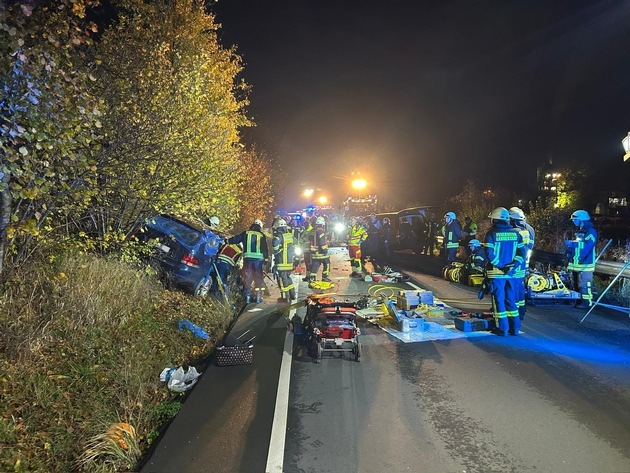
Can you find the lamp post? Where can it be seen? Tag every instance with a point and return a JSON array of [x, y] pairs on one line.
[[359, 184], [626, 146]]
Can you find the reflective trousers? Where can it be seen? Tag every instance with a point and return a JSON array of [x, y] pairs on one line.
[[503, 292], [315, 266], [355, 257], [583, 281], [285, 283]]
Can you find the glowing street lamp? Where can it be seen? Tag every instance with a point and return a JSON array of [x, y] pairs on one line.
[[626, 146], [359, 184], [308, 192], [322, 199]]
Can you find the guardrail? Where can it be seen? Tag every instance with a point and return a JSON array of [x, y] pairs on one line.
[[611, 268]]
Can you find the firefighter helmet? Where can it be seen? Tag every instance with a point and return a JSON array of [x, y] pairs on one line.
[[516, 214], [500, 213], [214, 221], [320, 221], [580, 215], [450, 215], [474, 242], [281, 223], [259, 223]]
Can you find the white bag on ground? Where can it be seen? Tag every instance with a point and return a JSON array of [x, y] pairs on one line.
[[182, 381]]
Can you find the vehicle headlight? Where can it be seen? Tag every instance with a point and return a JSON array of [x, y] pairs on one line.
[[298, 251], [340, 227]]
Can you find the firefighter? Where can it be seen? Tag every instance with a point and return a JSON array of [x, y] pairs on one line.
[[255, 255], [306, 247], [452, 232], [213, 222], [581, 255], [227, 258], [517, 219], [283, 253], [469, 231], [477, 260], [319, 251], [356, 235], [506, 253]]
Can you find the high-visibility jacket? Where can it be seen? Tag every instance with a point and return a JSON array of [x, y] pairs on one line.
[[230, 253], [356, 234], [505, 250], [470, 229], [581, 250], [521, 227], [254, 244], [452, 234], [306, 238], [319, 243], [283, 251]]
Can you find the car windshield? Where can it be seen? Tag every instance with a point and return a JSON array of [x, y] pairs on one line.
[[184, 233]]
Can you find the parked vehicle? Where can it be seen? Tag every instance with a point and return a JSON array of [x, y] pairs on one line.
[[411, 225], [183, 249]]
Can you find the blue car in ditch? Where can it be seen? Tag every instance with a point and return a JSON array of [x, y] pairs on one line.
[[183, 249]]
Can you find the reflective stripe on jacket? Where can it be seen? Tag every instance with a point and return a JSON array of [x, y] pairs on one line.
[[283, 251], [319, 247], [505, 250], [230, 253], [356, 235], [581, 250], [452, 234]]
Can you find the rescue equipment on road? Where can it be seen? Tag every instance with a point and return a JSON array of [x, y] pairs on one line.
[[332, 327]]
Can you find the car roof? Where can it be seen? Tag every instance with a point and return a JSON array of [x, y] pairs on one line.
[[188, 222], [417, 210]]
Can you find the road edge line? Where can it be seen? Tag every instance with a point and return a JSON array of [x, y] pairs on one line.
[[275, 454]]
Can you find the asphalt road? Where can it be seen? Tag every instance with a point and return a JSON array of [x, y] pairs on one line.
[[554, 399]]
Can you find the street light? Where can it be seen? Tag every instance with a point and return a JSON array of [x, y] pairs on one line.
[[322, 199], [308, 192], [359, 184], [626, 146]]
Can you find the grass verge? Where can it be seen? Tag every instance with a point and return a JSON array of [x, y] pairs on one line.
[[82, 343]]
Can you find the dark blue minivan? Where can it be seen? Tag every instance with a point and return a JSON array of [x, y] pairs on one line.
[[183, 249]]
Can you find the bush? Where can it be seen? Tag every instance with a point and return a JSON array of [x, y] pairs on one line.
[[82, 343]]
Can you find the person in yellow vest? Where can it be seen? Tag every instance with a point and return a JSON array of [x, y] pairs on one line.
[[255, 255], [517, 220], [283, 249], [356, 235]]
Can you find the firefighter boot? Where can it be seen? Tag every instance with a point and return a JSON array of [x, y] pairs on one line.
[[259, 297]]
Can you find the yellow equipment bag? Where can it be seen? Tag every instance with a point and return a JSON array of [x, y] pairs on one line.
[[321, 285]]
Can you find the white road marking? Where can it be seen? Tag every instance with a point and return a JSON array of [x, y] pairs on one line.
[[275, 456], [414, 286]]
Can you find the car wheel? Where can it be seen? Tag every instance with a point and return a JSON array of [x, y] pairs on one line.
[[203, 288]]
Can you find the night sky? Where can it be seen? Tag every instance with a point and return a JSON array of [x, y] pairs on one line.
[[419, 96]]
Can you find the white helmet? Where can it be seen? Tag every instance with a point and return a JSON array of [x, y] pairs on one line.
[[580, 215], [259, 223], [500, 213], [320, 221], [516, 214], [281, 223], [450, 215], [214, 221]]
